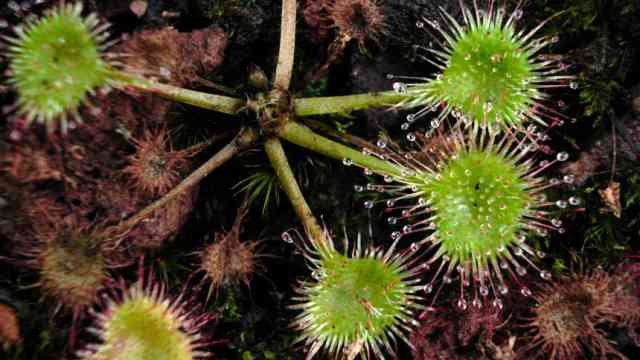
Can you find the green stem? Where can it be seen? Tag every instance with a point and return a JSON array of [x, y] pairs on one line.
[[344, 104], [284, 68], [287, 179], [241, 142], [306, 138], [219, 103]]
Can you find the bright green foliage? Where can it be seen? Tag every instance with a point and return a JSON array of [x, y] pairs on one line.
[[491, 73], [358, 304], [146, 331], [354, 293], [478, 196], [488, 76], [56, 62], [480, 199], [261, 186]]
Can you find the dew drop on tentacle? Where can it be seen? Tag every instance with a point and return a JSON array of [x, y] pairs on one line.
[[562, 156], [316, 275], [286, 237], [517, 14], [542, 231], [476, 303], [400, 87], [434, 23], [462, 304], [497, 303], [502, 289], [428, 288]]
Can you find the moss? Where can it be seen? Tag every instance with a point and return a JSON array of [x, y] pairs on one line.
[[218, 9]]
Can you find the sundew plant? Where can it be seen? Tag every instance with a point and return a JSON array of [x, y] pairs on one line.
[[475, 186], [56, 62], [141, 321], [478, 195], [490, 72], [358, 303]]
